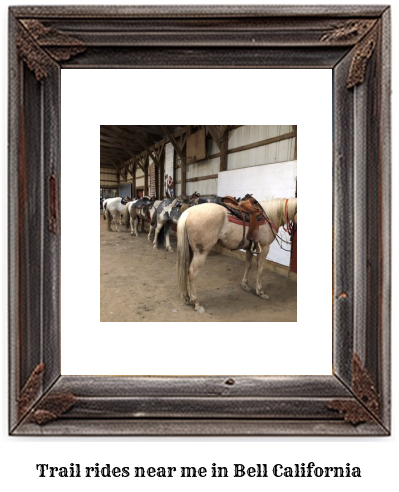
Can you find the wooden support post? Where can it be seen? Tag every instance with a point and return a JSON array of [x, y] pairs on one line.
[[294, 128], [224, 147], [134, 180], [183, 171], [161, 177], [146, 176], [223, 154]]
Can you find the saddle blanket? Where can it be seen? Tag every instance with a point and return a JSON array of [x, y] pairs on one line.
[[235, 220]]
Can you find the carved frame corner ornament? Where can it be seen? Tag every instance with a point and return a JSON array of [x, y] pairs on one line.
[[41, 411], [354, 43], [366, 406], [364, 33], [30, 391], [38, 46], [352, 30], [361, 56]]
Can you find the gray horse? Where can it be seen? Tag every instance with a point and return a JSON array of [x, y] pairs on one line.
[[168, 213]]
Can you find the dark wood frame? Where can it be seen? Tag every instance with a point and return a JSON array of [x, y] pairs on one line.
[[353, 41]]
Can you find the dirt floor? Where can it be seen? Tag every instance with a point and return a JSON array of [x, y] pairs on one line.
[[139, 284]]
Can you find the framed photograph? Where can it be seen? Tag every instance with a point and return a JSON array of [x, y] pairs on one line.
[[352, 44]]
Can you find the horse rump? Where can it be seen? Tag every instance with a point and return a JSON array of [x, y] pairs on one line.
[[184, 254]]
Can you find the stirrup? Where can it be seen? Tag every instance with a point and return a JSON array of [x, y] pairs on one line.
[[255, 248]]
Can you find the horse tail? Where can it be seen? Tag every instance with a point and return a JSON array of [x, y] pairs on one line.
[[105, 210], [154, 218], [161, 236], [184, 254], [126, 216], [109, 219]]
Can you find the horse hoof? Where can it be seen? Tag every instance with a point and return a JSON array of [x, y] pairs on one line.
[[263, 296], [170, 250], [245, 287], [200, 310]]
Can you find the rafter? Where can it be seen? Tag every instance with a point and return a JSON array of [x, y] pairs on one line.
[[174, 142], [153, 156], [215, 132]]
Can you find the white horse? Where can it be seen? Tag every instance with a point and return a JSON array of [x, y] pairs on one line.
[[134, 213], [105, 208], [200, 228], [113, 206]]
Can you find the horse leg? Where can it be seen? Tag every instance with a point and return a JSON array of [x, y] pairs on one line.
[[116, 223], [248, 264], [150, 232], [131, 226], [167, 237], [261, 262], [195, 265], [153, 223], [109, 219], [157, 230], [136, 223]]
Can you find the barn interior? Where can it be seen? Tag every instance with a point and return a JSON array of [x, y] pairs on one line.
[[170, 160]]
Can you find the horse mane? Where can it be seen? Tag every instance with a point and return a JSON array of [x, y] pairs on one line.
[[275, 209]]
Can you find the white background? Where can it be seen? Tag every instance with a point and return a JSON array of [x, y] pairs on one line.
[[108, 97], [377, 457]]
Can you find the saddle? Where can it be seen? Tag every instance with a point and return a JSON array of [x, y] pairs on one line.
[[247, 210], [185, 199], [207, 199], [144, 204]]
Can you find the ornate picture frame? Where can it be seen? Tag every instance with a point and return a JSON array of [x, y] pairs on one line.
[[353, 42]]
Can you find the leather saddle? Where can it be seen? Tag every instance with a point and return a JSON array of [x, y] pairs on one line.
[[185, 199], [144, 204], [248, 210]]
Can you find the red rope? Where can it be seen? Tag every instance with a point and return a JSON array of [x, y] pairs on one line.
[[289, 225]]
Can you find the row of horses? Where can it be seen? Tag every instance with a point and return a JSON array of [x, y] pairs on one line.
[[201, 224]]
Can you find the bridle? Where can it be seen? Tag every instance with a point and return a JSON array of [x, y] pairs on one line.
[[288, 225]]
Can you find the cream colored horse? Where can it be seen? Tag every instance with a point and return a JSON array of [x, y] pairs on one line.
[[200, 228]]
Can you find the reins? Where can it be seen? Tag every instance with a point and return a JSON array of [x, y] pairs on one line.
[[288, 225]]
